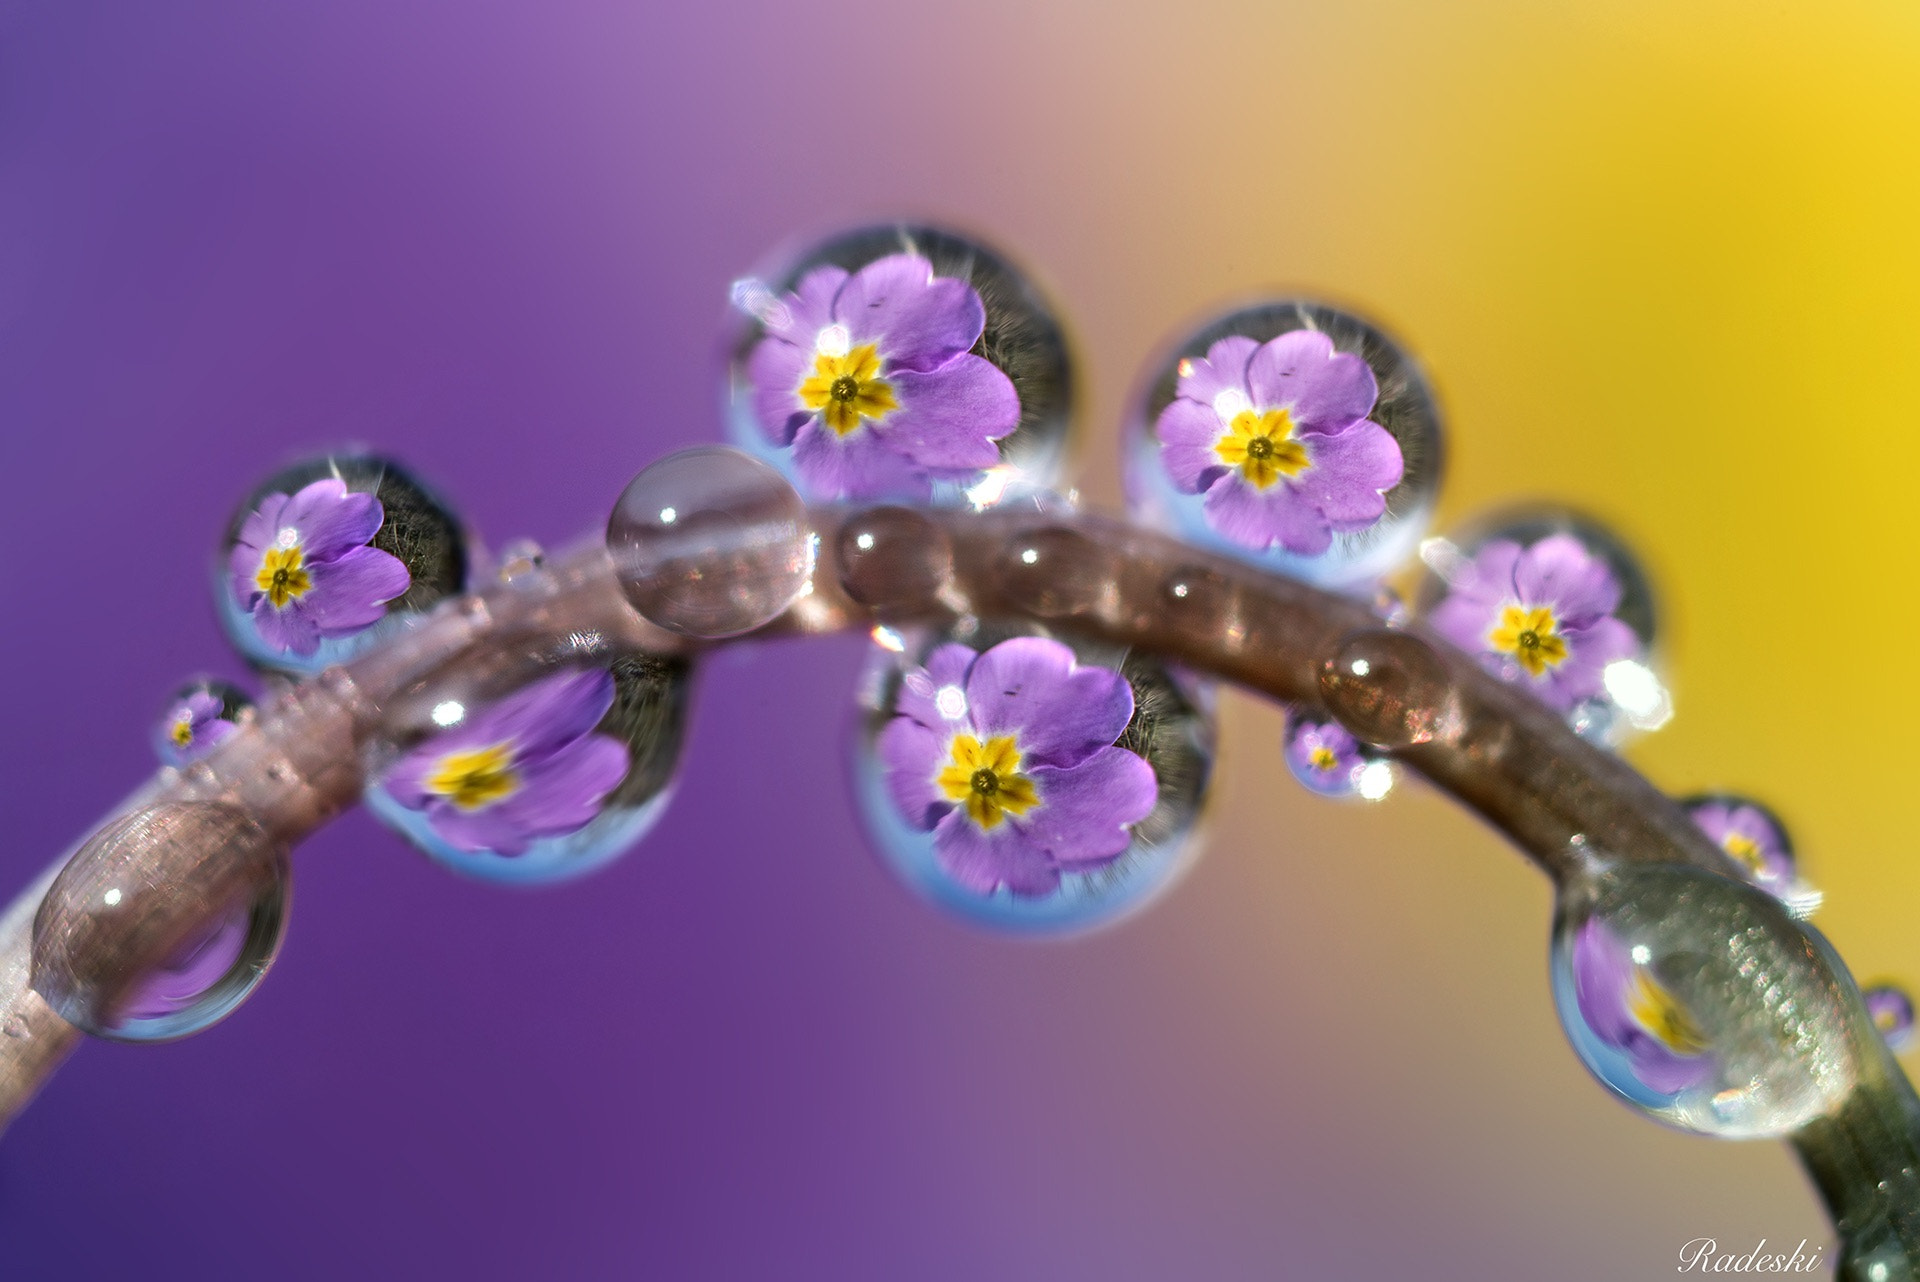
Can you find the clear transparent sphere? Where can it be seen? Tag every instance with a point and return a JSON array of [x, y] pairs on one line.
[[1700, 1002], [1553, 602], [526, 769], [900, 362], [163, 923], [1030, 782], [1292, 435], [327, 556], [197, 717], [710, 542]]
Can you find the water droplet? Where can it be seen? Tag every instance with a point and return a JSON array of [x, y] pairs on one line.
[[1028, 782], [197, 716], [551, 768], [1755, 839], [519, 558], [893, 558], [327, 556], [1699, 1001], [1389, 688], [163, 923], [1327, 759], [15, 1026], [886, 324], [1552, 602], [736, 553], [1892, 1013], [1292, 435], [1056, 572]]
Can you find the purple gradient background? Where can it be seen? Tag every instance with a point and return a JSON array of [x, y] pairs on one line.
[[495, 242]]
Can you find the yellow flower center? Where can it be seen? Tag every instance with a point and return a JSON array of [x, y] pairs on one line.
[[182, 733], [477, 778], [281, 576], [1660, 1013], [1531, 636], [985, 778], [1323, 758], [847, 388], [1743, 848], [1886, 1019], [1262, 447]]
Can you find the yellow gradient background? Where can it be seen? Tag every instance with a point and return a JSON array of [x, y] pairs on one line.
[[1661, 263]]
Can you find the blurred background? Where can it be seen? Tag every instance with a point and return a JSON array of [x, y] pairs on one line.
[[1658, 258]]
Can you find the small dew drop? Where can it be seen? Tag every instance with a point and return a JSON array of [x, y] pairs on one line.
[[14, 1027]]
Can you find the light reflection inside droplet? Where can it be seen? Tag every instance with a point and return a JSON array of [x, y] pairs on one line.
[[864, 542], [1376, 780], [1639, 693], [112, 897], [833, 341], [668, 516], [1029, 556], [887, 639], [448, 712], [951, 701]]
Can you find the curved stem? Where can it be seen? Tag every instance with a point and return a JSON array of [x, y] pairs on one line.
[[1493, 747]]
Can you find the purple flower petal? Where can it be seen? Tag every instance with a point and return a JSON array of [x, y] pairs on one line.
[[562, 791], [243, 567], [918, 320], [195, 967], [545, 716], [859, 465], [920, 688], [912, 755], [260, 529], [351, 591], [1085, 811], [1350, 472], [1603, 975], [1558, 571], [1061, 713], [331, 520], [1589, 651], [806, 311], [1223, 369], [950, 417], [1187, 432], [1325, 390], [984, 860], [777, 368], [291, 629], [1259, 519]]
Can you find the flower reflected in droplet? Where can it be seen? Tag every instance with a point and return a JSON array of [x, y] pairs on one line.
[[1892, 1013], [1008, 758], [191, 727], [1752, 838], [1539, 616], [1632, 1011], [301, 567], [869, 379], [1323, 756], [1276, 435], [527, 767]]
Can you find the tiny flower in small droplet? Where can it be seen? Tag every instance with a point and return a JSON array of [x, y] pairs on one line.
[[1754, 841], [1324, 757], [191, 727], [1276, 435], [1541, 617], [527, 767], [1892, 1013], [1008, 757], [868, 379], [1629, 1009], [301, 566]]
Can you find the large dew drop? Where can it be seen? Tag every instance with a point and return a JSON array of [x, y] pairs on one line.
[[1030, 782], [900, 362], [326, 557], [1292, 435], [532, 769]]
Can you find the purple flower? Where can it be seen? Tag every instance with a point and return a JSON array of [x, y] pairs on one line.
[[1756, 843], [191, 727], [1631, 1011], [1540, 616], [1892, 1014], [869, 380], [1276, 435], [1324, 757], [302, 568], [1008, 758], [527, 767]]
